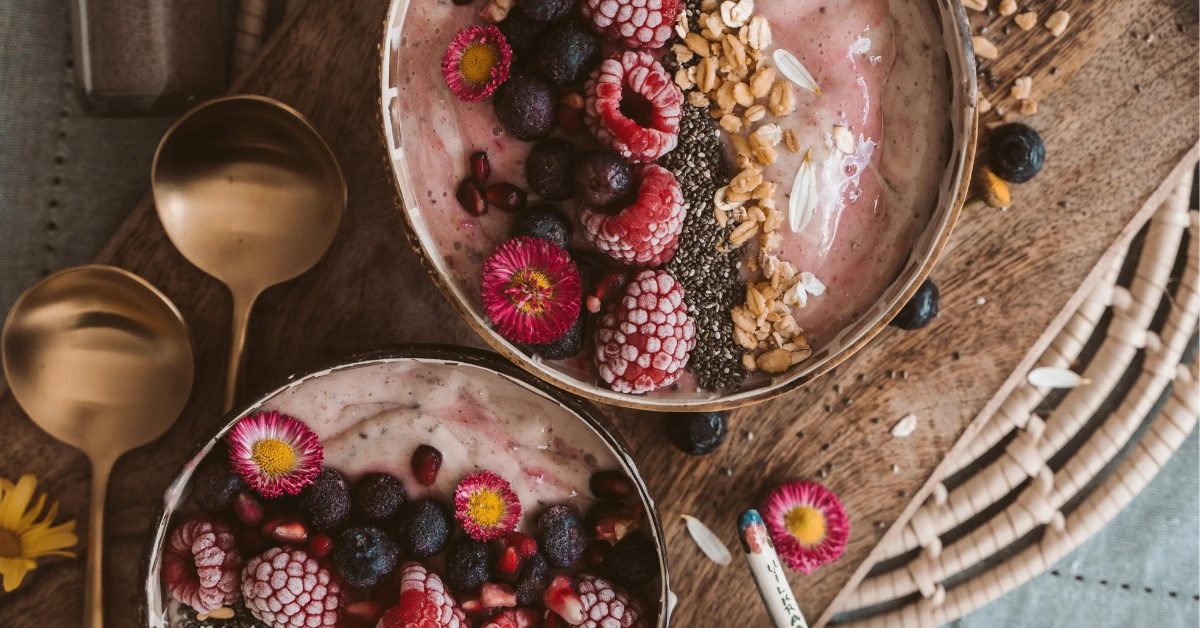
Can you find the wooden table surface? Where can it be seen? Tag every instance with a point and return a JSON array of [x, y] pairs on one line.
[[1117, 113]]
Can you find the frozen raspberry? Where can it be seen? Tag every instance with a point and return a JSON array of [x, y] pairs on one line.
[[607, 606], [512, 618], [647, 232], [633, 106], [424, 602], [636, 23], [285, 588], [201, 565], [644, 338]]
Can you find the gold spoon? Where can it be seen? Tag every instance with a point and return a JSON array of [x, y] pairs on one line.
[[102, 361], [251, 195]]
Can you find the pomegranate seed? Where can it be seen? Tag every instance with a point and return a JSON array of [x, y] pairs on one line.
[[617, 526], [321, 545], [524, 544], [471, 604], [562, 599], [550, 619], [426, 461], [286, 530], [509, 565], [608, 285], [497, 596], [506, 196], [471, 196], [481, 169], [611, 484], [248, 509]]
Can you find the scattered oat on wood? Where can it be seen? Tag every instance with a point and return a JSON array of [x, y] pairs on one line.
[[1057, 22], [1022, 87], [1026, 20], [1008, 7], [985, 48], [976, 5]]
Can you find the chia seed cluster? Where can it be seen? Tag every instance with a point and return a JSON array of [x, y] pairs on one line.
[[710, 278]]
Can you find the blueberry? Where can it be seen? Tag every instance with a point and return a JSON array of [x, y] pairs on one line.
[[698, 433], [535, 575], [364, 555], [521, 33], [326, 502], [422, 528], [546, 10], [467, 565], [560, 536], [568, 345], [549, 169], [376, 497], [543, 221], [568, 51], [527, 106], [920, 309], [633, 561], [216, 483], [590, 265], [603, 180], [1016, 153]]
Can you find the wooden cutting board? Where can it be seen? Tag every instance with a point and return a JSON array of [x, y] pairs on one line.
[[1117, 112]]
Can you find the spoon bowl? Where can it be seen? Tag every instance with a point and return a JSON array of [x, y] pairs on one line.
[[102, 361], [248, 192]]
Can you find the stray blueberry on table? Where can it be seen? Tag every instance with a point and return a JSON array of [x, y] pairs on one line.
[[1016, 153], [920, 309], [698, 433]]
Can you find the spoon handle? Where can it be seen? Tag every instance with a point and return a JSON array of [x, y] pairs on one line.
[[767, 572], [243, 302], [93, 602]]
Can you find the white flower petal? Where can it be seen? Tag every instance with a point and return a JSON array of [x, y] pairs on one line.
[[795, 71], [709, 543], [803, 200], [1054, 377]]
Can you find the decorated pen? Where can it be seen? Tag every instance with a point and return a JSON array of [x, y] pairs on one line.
[[768, 572]]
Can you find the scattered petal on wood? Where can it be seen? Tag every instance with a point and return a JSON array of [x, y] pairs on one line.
[[1054, 377], [795, 71], [803, 200], [709, 543], [905, 426]]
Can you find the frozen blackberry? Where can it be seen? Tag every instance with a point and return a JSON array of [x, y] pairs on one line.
[[216, 483], [698, 433], [568, 52], [376, 497], [920, 310], [467, 565], [633, 561], [364, 555], [544, 221], [560, 536], [527, 106], [603, 180], [535, 575], [549, 169], [568, 345], [422, 528], [326, 502], [521, 33], [546, 10]]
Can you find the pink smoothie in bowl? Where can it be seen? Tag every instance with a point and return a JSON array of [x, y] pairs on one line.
[[883, 150], [377, 515]]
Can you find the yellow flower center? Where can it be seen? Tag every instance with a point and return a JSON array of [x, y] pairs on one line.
[[274, 457], [530, 290], [477, 62], [485, 508], [806, 524], [10, 545]]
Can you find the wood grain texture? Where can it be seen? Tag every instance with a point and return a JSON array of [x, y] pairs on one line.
[[1109, 146]]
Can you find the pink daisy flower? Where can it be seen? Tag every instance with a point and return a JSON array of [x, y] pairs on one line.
[[486, 506], [476, 62], [531, 290], [274, 453], [807, 524]]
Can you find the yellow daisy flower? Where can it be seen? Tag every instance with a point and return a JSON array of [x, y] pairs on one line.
[[21, 538]]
